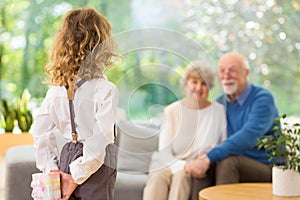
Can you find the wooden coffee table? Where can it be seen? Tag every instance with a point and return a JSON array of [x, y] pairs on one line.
[[241, 191]]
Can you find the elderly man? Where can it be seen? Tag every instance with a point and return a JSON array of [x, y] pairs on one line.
[[250, 112]]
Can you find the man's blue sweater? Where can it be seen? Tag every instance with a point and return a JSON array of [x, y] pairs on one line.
[[247, 121]]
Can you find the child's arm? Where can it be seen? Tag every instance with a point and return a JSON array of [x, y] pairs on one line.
[[43, 130]]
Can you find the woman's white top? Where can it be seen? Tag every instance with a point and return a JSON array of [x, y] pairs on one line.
[[186, 132], [95, 106]]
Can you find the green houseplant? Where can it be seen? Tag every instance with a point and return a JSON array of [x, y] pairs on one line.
[[284, 148], [8, 114], [18, 111], [24, 115]]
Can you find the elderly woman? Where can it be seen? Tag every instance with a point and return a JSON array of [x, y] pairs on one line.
[[192, 125]]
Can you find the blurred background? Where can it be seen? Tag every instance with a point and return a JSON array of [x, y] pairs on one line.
[[265, 31]]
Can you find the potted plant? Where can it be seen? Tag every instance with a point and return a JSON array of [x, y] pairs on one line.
[[15, 115], [284, 148]]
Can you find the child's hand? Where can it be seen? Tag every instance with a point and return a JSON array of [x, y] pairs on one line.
[[67, 184]]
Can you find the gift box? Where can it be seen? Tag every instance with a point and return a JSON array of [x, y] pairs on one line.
[[46, 186]]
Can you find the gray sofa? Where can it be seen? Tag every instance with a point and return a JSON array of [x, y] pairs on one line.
[[137, 141]]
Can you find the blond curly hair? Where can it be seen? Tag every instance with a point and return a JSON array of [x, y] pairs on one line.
[[82, 47]]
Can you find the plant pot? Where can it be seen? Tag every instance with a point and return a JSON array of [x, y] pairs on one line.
[[285, 182]]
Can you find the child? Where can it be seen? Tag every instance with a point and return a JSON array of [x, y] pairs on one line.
[[82, 48]]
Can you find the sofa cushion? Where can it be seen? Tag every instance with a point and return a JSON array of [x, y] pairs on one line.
[[137, 142], [130, 185]]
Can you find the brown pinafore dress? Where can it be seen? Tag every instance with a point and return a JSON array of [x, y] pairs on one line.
[[100, 185]]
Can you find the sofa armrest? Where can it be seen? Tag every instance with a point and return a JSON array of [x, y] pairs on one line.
[[20, 165]]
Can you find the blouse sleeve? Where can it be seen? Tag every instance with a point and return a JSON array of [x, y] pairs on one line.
[[165, 157], [44, 139], [106, 102]]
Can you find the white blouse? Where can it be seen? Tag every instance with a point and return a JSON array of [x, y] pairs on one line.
[[186, 132], [95, 106]]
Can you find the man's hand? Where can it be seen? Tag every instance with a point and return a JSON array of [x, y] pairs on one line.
[[198, 167], [67, 184]]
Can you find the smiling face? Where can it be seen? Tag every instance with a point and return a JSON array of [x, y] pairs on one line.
[[233, 74], [196, 88]]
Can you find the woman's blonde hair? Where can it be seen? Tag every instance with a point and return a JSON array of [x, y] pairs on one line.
[[199, 69], [82, 47]]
